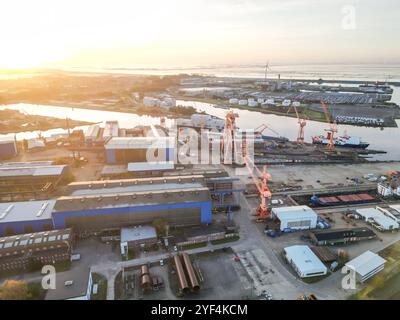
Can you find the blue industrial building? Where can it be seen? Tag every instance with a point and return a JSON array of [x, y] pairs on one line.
[[90, 214], [26, 217], [180, 201]]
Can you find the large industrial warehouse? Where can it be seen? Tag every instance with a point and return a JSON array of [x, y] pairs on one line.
[[177, 206], [94, 205], [32, 172], [139, 149], [25, 217], [295, 218]]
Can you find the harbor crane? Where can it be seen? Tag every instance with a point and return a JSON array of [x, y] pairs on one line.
[[228, 142], [260, 129], [332, 127], [302, 123], [267, 68], [263, 213]]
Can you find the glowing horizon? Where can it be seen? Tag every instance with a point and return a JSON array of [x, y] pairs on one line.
[[121, 33]]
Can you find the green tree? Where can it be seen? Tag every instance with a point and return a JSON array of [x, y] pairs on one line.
[[160, 225]]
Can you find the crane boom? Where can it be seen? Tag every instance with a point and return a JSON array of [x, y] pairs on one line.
[[332, 127], [302, 123], [263, 127], [326, 113], [262, 212]]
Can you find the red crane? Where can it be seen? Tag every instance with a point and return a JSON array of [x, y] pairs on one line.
[[332, 127], [302, 123], [265, 194]]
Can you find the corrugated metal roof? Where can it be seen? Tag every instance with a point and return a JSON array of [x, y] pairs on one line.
[[26, 210], [365, 263], [106, 201], [140, 143], [102, 184], [32, 171], [395, 207], [304, 259], [26, 164], [25, 240], [294, 212], [137, 188], [379, 217], [138, 233], [149, 166]]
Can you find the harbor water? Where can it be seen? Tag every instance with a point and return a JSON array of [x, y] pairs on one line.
[[385, 139]]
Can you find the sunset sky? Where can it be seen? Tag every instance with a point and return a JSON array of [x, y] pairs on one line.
[[128, 33]]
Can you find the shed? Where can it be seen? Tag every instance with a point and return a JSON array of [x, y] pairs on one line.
[[136, 237], [74, 284]]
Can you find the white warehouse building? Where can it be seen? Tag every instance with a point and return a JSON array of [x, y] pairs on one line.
[[295, 218], [304, 261], [366, 265], [378, 219]]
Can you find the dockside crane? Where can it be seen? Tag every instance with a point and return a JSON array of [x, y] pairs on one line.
[[332, 127], [260, 129], [228, 142], [263, 213], [302, 123]]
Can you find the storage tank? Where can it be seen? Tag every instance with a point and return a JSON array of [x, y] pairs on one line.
[[144, 270], [242, 102], [146, 281], [260, 100], [183, 284], [8, 147], [194, 283]]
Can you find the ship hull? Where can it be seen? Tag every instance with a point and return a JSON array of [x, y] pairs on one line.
[[346, 145], [318, 201]]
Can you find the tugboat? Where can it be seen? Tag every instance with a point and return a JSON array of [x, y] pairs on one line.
[[343, 141]]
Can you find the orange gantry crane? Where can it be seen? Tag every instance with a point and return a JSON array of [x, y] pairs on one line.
[[332, 127], [265, 194], [302, 123]]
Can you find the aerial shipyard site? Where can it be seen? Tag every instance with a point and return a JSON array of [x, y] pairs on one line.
[[264, 182]]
